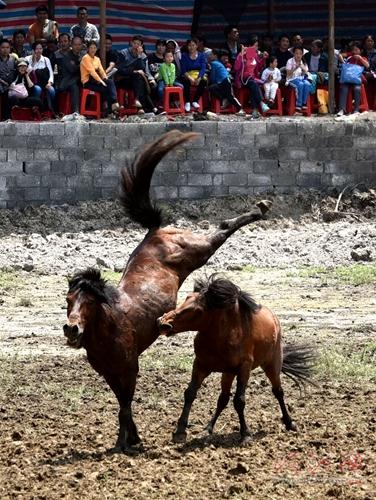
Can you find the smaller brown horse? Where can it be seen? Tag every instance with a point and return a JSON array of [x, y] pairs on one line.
[[235, 336]]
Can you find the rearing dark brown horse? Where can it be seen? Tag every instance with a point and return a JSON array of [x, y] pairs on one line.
[[116, 328]]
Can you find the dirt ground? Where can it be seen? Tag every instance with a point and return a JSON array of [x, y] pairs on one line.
[[58, 419]]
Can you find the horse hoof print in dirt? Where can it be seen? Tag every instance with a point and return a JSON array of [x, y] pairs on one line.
[[115, 325]]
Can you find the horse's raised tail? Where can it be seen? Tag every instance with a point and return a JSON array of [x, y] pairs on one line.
[[298, 363], [135, 181]]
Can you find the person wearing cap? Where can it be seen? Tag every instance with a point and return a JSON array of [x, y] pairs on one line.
[[22, 78]]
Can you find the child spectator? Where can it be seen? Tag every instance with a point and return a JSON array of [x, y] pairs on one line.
[[173, 46], [297, 77], [271, 76], [220, 83], [225, 59], [167, 74], [355, 58]]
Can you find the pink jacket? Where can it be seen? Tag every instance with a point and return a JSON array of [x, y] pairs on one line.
[[248, 65]]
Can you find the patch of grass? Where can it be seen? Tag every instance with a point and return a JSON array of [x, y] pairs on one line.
[[24, 302], [151, 361], [248, 268], [349, 362], [111, 276], [10, 280], [354, 274]]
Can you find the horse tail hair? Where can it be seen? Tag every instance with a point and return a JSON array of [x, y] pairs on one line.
[[135, 180], [298, 363]]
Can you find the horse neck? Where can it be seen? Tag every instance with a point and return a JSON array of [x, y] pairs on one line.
[[220, 323]]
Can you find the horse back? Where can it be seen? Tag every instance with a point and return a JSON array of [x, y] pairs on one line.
[[265, 336]]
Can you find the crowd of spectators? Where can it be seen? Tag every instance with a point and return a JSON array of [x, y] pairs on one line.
[[42, 62]]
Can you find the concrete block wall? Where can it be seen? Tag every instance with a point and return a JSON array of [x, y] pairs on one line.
[[58, 163]]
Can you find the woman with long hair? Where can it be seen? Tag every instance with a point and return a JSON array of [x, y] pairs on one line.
[[40, 71], [193, 68]]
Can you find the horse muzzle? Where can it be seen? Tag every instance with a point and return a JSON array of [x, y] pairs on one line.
[[165, 328], [74, 335]]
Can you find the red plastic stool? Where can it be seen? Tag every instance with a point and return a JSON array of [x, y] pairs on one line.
[[191, 96], [90, 103], [277, 108], [176, 94], [126, 99], [25, 114], [216, 106], [64, 103], [242, 95], [363, 100], [290, 96]]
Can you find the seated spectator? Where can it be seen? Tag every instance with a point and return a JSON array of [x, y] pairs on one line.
[[86, 31], [68, 59], [282, 52], [316, 58], [232, 44], [248, 65], [156, 59], [220, 82], [193, 68], [355, 58], [7, 66], [271, 76], [43, 29], [267, 43], [297, 77], [133, 73], [173, 46], [297, 41], [93, 77], [40, 71], [369, 51], [21, 91], [167, 75], [225, 59], [50, 49], [19, 48], [112, 56], [201, 46]]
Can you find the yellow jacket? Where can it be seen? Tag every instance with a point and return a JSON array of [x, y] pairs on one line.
[[91, 66]]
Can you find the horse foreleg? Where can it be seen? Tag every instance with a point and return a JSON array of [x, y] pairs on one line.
[[277, 390], [198, 376], [124, 387], [239, 402], [229, 226], [224, 397]]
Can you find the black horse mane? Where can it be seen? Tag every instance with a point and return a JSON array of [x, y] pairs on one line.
[[220, 293], [90, 281]]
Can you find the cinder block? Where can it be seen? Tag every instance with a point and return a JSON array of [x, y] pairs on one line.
[[77, 128], [63, 195], [27, 128], [65, 141], [173, 178], [80, 181], [240, 190], [23, 154], [309, 181], [259, 180], [46, 154], [239, 179], [106, 181], [265, 166], [191, 192], [268, 153], [91, 142], [200, 180], [55, 129], [191, 166], [54, 181], [28, 181], [253, 128], [343, 154], [311, 167], [165, 193], [39, 142], [292, 154], [267, 141], [64, 167], [11, 167], [99, 155], [205, 128], [200, 154], [317, 154], [231, 154], [218, 191], [87, 193], [281, 127], [128, 131], [4, 155], [37, 167], [37, 194]]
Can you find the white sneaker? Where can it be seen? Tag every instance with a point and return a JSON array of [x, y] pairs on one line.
[[340, 112], [241, 112], [225, 104], [195, 105], [137, 103], [187, 107], [356, 113]]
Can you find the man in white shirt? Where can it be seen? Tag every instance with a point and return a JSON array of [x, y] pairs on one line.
[[84, 29]]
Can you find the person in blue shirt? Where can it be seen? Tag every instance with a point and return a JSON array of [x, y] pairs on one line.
[[192, 68], [220, 82]]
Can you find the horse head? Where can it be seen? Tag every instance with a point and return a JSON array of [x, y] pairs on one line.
[[185, 317], [88, 294]]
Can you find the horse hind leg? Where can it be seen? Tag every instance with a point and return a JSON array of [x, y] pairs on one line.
[[239, 404], [277, 390], [224, 397], [198, 376]]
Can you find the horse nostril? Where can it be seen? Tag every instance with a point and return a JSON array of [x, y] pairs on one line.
[[74, 329]]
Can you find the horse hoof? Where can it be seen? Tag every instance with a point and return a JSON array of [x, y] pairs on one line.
[[209, 429], [264, 205], [179, 437], [245, 440], [292, 427]]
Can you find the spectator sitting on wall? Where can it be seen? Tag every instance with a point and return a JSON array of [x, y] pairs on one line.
[[220, 82], [68, 78], [43, 29], [40, 71], [316, 58], [156, 59], [19, 48], [93, 77], [282, 52], [83, 28], [232, 44], [133, 73], [16, 99], [7, 66], [297, 41]]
